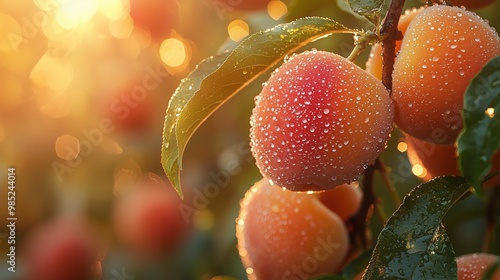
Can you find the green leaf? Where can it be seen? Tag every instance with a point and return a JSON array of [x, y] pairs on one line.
[[179, 100], [357, 265], [414, 244], [480, 137], [216, 80], [370, 9]]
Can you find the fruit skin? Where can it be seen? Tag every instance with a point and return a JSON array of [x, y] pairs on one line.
[[472, 4], [64, 249], [440, 160], [343, 200], [374, 63], [472, 266], [443, 49], [319, 122], [156, 16], [288, 235], [147, 219]]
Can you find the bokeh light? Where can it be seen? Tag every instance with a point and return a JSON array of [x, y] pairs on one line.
[[238, 29], [10, 33], [277, 9]]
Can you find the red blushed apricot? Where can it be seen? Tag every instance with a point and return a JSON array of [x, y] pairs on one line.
[[374, 63], [147, 219], [473, 266], [319, 122], [443, 49], [430, 160], [240, 5], [288, 235], [344, 200], [472, 4], [156, 16], [61, 250]]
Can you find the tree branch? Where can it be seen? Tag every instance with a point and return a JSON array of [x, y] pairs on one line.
[[390, 33]]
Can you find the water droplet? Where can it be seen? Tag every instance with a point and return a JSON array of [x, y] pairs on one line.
[[326, 111], [453, 46]]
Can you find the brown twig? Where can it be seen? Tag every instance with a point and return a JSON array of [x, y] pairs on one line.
[[390, 33], [358, 221], [489, 241]]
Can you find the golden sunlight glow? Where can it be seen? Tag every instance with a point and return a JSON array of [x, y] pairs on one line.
[[114, 9], [11, 92], [72, 13], [10, 33], [490, 112], [418, 170], [238, 30], [173, 52], [67, 147], [402, 147], [2, 132], [52, 72], [276, 9], [121, 28]]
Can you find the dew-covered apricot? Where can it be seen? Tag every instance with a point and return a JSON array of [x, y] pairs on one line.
[[319, 122], [473, 266], [374, 63], [344, 200], [429, 160], [443, 49], [288, 235]]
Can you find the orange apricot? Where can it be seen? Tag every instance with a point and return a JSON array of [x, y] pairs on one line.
[[443, 49], [288, 235], [433, 160], [472, 266], [344, 200], [374, 63], [147, 219], [319, 122], [62, 250], [156, 16]]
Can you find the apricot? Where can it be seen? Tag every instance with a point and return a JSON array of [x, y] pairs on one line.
[[374, 63], [472, 266], [147, 220], [343, 200], [62, 250], [319, 122], [443, 49], [288, 235], [158, 17], [439, 160]]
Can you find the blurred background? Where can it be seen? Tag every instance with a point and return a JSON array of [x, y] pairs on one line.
[[84, 85]]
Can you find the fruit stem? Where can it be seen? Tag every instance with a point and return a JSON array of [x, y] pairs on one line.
[[358, 221], [390, 186], [390, 33], [489, 237], [355, 52]]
